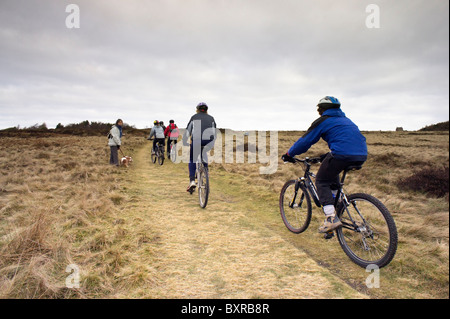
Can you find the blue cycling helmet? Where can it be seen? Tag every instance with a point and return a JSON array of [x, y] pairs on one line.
[[329, 102], [202, 106]]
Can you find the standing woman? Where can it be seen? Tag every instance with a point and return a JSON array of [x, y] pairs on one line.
[[114, 142]]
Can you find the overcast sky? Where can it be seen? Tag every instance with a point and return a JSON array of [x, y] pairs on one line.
[[258, 64]]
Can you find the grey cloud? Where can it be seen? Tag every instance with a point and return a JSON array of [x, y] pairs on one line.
[[258, 63]]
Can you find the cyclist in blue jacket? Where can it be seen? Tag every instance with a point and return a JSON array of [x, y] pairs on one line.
[[347, 145]]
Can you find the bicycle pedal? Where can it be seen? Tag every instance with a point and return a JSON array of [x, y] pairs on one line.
[[192, 189], [328, 235]]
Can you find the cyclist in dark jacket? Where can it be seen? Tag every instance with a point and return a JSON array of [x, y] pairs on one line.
[[347, 145], [201, 130]]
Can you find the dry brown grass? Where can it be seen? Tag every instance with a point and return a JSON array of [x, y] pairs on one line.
[[56, 202], [61, 204]]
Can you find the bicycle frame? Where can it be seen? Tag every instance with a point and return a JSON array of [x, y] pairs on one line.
[[308, 183], [157, 148], [341, 197], [312, 190], [158, 153], [199, 163]]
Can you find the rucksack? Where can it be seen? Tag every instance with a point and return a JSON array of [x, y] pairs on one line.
[[174, 132]]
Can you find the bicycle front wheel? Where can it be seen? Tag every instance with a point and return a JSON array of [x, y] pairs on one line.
[[154, 156], [203, 186], [368, 235], [295, 207]]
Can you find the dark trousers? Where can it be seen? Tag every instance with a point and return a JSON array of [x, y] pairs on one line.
[[114, 158], [327, 178], [162, 141]]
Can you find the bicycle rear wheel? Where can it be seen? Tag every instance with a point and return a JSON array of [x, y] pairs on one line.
[[173, 152], [154, 157], [203, 186], [368, 235], [161, 156], [295, 207]]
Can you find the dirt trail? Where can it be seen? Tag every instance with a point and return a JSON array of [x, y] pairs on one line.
[[218, 252]]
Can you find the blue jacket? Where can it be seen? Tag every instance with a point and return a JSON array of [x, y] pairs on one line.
[[343, 137]]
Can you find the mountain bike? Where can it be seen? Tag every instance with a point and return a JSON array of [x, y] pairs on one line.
[[158, 154], [368, 234], [202, 182]]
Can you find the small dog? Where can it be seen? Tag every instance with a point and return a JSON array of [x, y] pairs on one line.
[[126, 160]]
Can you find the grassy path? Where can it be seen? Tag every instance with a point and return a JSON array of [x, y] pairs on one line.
[[223, 251]]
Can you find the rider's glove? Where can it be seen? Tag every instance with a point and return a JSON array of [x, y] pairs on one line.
[[286, 158]]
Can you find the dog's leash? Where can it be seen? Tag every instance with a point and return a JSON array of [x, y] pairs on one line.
[[121, 152]]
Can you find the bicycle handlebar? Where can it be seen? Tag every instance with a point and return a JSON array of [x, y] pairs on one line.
[[306, 160], [312, 160]]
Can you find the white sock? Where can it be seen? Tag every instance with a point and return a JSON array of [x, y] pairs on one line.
[[328, 210]]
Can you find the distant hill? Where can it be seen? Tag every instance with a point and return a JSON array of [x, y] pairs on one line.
[[442, 126], [84, 128]]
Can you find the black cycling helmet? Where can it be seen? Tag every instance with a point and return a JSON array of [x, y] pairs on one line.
[[156, 122], [329, 102], [171, 121], [202, 106]]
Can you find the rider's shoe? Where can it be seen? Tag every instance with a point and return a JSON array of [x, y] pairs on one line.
[[191, 187], [331, 223], [328, 235]]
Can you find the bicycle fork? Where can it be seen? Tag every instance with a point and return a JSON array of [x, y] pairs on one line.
[[292, 203]]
